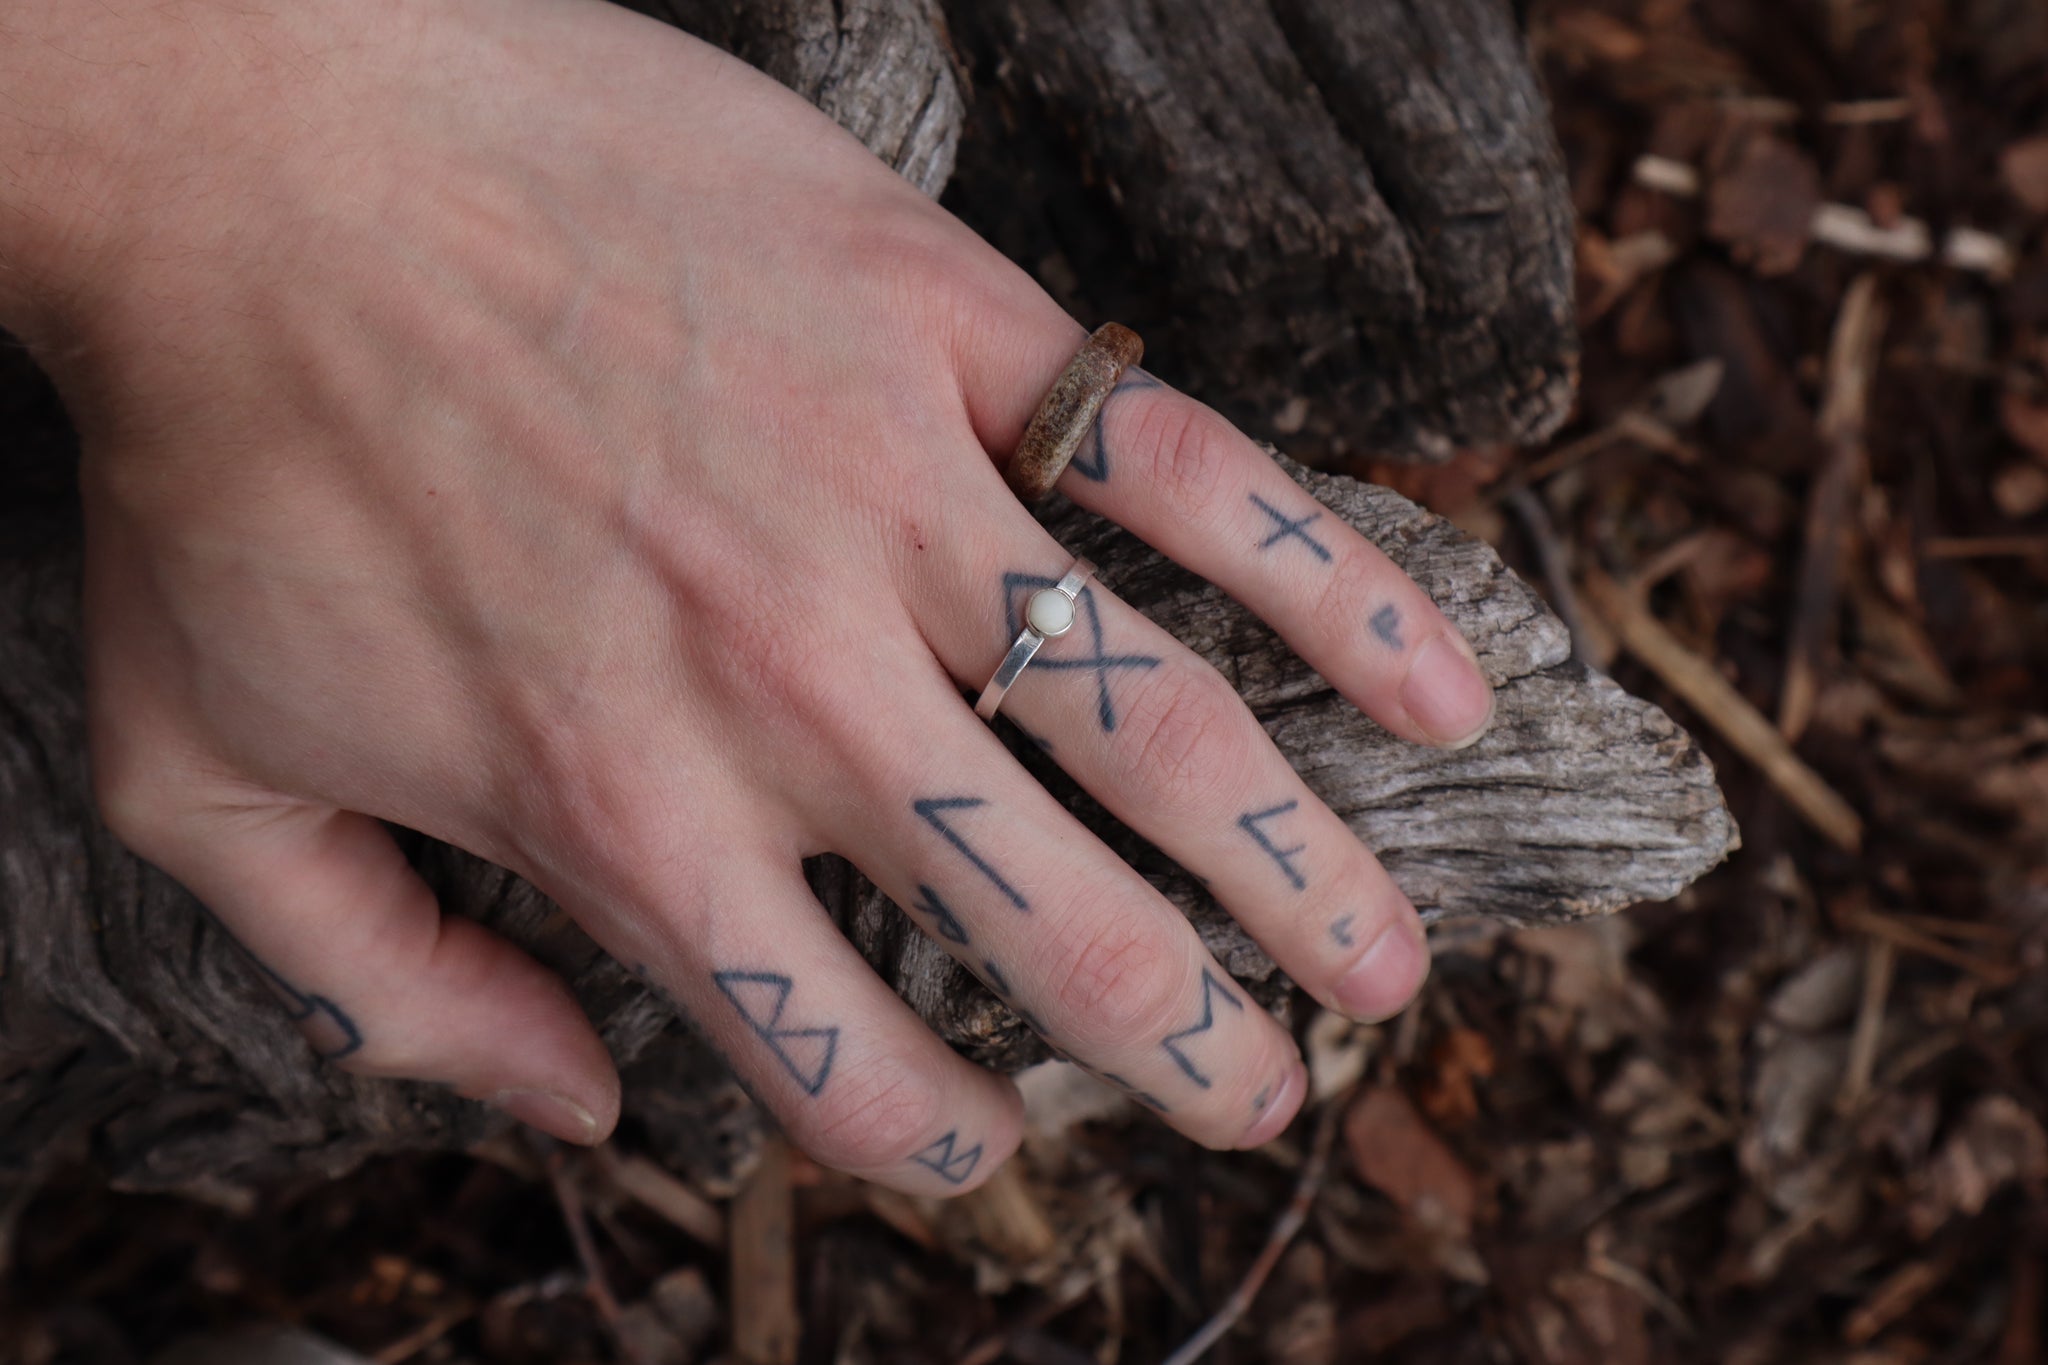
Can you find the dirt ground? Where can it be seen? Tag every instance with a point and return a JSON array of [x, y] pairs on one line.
[[1794, 1116]]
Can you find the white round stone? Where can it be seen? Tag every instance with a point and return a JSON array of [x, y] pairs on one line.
[[1050, 612]]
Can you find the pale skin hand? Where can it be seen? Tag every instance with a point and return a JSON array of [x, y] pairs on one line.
[[517, 421]]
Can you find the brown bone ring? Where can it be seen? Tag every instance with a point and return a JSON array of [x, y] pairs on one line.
[[1069, 409]]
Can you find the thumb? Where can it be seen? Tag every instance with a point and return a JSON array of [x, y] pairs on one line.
[[376, 978]]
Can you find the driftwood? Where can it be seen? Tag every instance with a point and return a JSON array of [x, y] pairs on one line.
[[132, 1029]]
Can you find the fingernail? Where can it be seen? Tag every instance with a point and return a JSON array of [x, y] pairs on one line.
[[1446, 694], [551, 1113], [1381, 983], [1279, 1111]]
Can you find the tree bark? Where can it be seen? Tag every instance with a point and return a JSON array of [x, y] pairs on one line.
[[1360, 202], [132, 1028]]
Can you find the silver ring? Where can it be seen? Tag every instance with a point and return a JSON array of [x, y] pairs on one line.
[[1048, 614]]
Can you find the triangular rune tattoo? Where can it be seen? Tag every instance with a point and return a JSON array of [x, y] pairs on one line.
[[953, 1168], [760, 997]]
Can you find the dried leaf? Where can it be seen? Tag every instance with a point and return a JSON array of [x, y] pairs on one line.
[[1462, 1056], [1681, 397], [1609, 1321], [1997, 1143], [1761, 199], [1395, 1151], [2023, 166]]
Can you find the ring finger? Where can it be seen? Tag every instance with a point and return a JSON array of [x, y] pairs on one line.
[[1178, 476]]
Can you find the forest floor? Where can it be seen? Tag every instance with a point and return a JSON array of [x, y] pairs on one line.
[[1795, 1115]]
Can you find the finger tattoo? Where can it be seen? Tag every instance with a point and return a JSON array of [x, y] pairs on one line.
[[945, 921], [1098, 660], [761, 998], [1254, 822], [1291, 528], [331, 1033], [1091, 461], [932, 809], [953, 1166], [1211, 990]]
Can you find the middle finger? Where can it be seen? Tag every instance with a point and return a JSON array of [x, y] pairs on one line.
[[1166, 744]]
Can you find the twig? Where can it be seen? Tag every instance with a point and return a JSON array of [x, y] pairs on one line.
[[1644, 1288], [1868, 111], [764, 1316], [1852, 359], [1984, 547], [595, 1284], [1878, 958], [1994, 974], [1941, 926], [425, 1335], [650, 1185], [1557, 573], [2020, 1344], [1728, 711], [1007, 1218], [1633, 424], [1289, 1223]]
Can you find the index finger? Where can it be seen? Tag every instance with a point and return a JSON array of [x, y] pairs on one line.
[[1176, 474]]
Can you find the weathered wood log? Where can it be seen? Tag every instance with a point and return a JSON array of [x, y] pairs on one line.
[[1357, 201], [130, 1027]]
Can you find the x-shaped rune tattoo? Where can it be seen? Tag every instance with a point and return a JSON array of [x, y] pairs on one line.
[[1098, 660]]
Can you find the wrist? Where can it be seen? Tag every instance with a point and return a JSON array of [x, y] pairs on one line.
[[119, 122], [76, 76]]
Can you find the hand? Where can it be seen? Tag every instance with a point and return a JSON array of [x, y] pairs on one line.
[[515, 420]]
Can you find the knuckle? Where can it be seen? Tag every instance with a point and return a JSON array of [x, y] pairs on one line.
[[767, 648], [1116, 977], [776, 658], [571, 796], [1193, 456], [880, 1115], [1189, 740], [933, 277]]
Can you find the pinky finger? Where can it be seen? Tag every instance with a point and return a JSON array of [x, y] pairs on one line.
[[853, 1076], [355, 948]]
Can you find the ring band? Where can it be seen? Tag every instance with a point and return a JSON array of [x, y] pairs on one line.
[[1048, 614], [1070, 408]]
